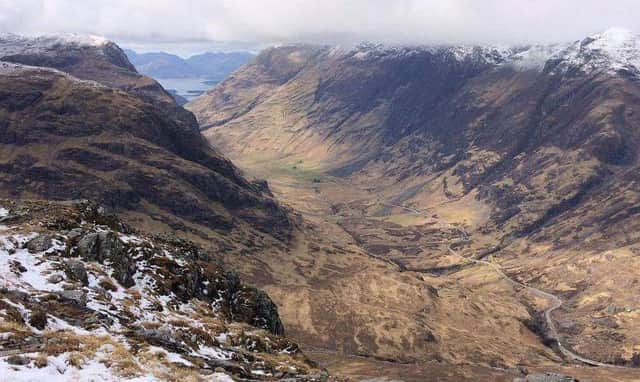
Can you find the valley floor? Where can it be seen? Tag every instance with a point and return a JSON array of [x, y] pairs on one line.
[[372, 292]]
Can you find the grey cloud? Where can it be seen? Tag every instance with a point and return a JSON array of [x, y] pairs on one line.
[[328, 21]]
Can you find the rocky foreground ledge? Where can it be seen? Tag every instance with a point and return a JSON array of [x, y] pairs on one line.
[[85, 297]]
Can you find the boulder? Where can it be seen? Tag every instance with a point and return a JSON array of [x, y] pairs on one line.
[[163, 337], [18, 360], [39, 243], [55, 278], [16, 267], [74, 234], [123, 271], [76, 271], [614, 309], [99, 246], [76, 297]]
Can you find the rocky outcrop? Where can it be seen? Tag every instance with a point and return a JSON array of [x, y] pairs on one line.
[[254, 306], [105, 246], [184, 305]]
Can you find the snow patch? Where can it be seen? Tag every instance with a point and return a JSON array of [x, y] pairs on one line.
[[58, 370], [221, 377], [170, 356], [534, 57]]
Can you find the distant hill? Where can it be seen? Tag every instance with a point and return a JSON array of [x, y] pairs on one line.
[[213, 66]]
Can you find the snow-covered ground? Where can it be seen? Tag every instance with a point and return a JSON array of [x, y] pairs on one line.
[[31, 273], [58, 369]]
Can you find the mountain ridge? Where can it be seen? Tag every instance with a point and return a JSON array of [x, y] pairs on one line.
[[49, 96]]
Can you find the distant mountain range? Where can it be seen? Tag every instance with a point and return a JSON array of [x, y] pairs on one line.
[[213, 66]]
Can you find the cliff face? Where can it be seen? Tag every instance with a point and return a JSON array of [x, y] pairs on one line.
[[79, 122]]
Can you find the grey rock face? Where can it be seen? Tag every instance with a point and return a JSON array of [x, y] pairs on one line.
[[102, 246]]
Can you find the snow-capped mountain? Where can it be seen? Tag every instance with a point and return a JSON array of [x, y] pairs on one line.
[[612, 50], [20, 43], [13, 45]]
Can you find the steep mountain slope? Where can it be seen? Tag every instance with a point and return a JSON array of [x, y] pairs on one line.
[[533, 149], [82, 123], [92, 58], [524, 136]]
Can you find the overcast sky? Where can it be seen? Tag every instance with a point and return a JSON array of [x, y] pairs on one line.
[[193, 25]]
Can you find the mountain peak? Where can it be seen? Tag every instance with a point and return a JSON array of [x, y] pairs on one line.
[[616, 34], [51, 40], [615, 42], [614, 50]]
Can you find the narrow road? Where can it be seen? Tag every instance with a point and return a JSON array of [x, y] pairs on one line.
[[556, 302]]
